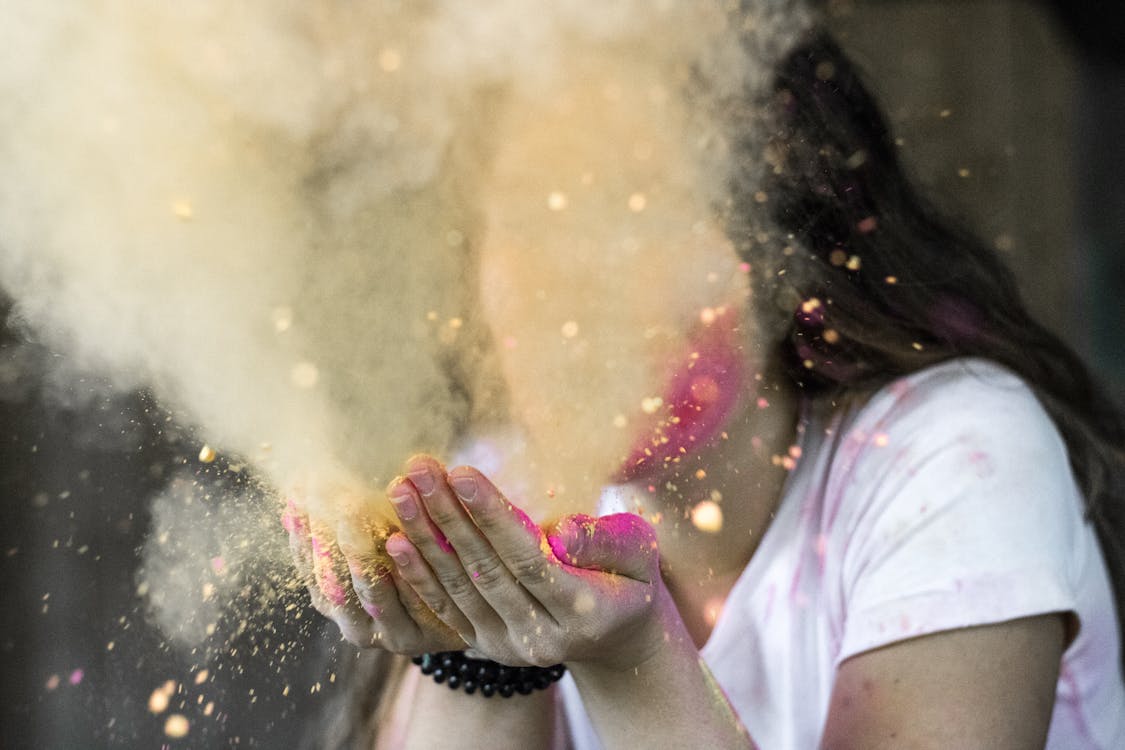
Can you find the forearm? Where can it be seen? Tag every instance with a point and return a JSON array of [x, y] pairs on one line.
[[669, 700], [426, 715]]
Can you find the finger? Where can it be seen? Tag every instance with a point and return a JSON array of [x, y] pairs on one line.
[[329, 567], [377, 594], [434, 547], [413, 570], [502, 531], [436, 635], [297, 524], [370, 578], [331, 593], [491, 575], [622, 543], [354, 624]]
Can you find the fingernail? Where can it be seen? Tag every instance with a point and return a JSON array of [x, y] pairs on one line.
[[465, 487], [423, 480], [404, 505], [398, 552]]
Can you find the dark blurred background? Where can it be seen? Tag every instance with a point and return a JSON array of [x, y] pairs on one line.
[[1010, 113]]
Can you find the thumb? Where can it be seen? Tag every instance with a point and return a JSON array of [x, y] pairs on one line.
[[623, 543]]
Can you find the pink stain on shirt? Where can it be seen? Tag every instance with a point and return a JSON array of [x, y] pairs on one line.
[[796, 582], [821, 551], [1074, 702], [982, 463]]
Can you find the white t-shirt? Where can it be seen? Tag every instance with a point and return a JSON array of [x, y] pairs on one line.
[[946, 501]]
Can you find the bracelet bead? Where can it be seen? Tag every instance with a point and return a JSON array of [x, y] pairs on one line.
[[462, 672]]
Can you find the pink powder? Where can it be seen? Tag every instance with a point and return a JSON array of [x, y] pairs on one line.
[[443, 543], [293, 521], [700, 398], [558, 547], [330, 586], [326, 577]]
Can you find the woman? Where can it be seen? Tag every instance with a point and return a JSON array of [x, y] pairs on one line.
[[922, 517]]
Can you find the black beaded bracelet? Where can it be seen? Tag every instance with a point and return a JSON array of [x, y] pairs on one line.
[[459, 671]]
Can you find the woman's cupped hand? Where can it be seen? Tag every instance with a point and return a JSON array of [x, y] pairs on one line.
[[470, 570]]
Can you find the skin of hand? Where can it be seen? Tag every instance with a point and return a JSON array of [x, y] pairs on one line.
[[471, 570]]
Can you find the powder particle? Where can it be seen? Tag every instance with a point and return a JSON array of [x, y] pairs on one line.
[[176, 726], [158, 701], [584, 603], [707, 516], [557, 201]]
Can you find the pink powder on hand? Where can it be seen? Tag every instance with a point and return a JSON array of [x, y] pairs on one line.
[[558, 547], [325, 573], [443, 543], [293, 521]]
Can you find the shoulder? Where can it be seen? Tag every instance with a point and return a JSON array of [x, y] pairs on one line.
[[956, 395], [951, 495], [970, 419]]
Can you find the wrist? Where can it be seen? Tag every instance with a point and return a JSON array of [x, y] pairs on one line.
[[645, 704], [661, 634]]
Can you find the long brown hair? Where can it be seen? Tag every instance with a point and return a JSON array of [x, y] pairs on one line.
[[873, 283]]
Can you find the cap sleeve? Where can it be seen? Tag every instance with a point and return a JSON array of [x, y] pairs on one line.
[[960, 508]]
